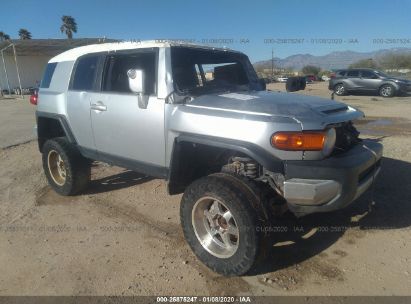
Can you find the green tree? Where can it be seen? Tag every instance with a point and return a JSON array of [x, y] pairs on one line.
[[24, 34], [396, 61], [365, 64], [311, 70], [4, 37], [69, 26]]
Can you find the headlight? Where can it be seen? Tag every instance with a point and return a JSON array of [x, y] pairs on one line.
[[329, 141], [400, 81], [299, 141], [305, 141]]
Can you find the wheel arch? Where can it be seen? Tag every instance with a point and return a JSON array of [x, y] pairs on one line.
[[50, 125], [393, 84], [188, 153], [337, 83]]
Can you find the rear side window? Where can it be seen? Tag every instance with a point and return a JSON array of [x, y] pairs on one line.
[[85, 74], [48, 74], [353, 73]]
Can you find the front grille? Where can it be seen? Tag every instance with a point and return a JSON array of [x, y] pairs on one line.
[[347, 137]]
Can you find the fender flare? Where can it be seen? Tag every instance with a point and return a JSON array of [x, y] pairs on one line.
[[265, 159], [63, 123], [253, 151]]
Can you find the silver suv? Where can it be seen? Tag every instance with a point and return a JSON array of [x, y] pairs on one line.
[[368, 81], [200, 118]]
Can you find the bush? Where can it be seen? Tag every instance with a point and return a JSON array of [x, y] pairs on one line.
[[311, 70], [365, 64]]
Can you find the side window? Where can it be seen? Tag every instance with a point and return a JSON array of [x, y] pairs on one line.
[[115, 71], [341, 73], [48, 74], [368, 75], [353, 74], [85, 74]]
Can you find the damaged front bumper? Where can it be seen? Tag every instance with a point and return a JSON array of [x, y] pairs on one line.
[[333, 183]]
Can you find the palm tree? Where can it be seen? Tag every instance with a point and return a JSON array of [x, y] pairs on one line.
[[6, 37], [24, 34], [69, 26]]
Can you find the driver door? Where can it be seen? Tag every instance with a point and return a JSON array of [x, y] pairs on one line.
[[124, 133], [369, 81]]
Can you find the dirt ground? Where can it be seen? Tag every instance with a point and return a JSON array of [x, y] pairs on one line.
[[122, 237]]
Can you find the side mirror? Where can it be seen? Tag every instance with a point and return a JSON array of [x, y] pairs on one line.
[[136, 81], [136, 85]]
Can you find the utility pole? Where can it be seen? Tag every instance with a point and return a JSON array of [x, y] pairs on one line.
[[272, 63]]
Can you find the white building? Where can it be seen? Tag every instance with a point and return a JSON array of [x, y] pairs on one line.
[[31, 59]]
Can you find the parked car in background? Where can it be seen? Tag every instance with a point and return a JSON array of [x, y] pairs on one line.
[[310, 78], [368, 80], [34, 96], [325, 78], [282, 79]]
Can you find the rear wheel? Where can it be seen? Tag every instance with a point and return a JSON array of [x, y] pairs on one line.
[[339, 89], [67, 171], [387, 90], [219, 224]]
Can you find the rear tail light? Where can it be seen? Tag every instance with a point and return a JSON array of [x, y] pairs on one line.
[[34, 99]]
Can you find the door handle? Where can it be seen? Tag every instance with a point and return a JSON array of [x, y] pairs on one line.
[[99, 106]]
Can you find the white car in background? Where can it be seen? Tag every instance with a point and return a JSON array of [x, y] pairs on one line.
[[282, 79], [325, 78]]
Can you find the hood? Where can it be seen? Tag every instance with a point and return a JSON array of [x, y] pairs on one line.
[[301, 107], [398, 79]]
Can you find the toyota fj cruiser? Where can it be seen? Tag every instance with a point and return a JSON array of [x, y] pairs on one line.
[[201, 119]]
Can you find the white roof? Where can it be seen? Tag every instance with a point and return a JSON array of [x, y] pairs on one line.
[[73, 54]]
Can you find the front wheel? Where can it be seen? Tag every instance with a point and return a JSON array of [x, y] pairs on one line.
[[387, 90], [219, 224]]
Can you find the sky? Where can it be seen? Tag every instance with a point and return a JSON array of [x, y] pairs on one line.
[[256, 27]]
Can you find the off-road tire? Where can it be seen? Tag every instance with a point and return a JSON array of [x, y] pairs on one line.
[[387, 91], [303, 83], [77, 168], [292, 84], [238, 202]]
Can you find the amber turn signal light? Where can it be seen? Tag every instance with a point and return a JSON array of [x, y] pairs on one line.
[[298, 141]]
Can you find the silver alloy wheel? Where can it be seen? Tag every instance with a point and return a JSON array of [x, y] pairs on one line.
[[56, 167], [215, 227], [339, 90], [386, 91]]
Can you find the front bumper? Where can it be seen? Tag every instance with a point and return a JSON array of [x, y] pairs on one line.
[[333, 183], [404, 88]]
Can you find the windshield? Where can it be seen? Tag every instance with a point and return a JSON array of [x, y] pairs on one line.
[[379, 73], [203, 71]]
